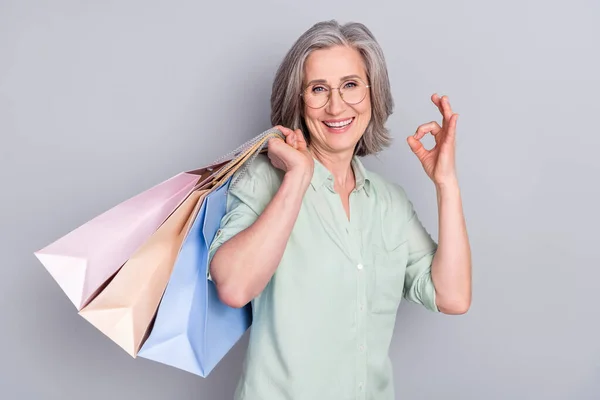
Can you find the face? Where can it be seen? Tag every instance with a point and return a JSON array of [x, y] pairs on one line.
[[338, 126]]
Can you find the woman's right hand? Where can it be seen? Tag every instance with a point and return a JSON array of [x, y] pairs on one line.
[[291, 155]]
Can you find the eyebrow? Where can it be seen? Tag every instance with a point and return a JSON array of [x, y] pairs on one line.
[[343, 78]]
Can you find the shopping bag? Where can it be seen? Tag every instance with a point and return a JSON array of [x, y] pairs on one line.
[[124, 310], [88, 256], [193, 329]]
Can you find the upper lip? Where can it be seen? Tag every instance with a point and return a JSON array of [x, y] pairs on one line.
[[338, 120]]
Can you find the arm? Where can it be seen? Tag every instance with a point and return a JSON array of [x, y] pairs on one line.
[[260, 222], [451, 267], [244, 264]]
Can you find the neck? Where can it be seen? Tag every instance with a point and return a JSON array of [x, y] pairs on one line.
[[340, 166]]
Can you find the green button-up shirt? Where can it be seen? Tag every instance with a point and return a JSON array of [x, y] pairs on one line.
[[322, 326]]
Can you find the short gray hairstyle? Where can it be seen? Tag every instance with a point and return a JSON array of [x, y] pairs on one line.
[[286, 102]]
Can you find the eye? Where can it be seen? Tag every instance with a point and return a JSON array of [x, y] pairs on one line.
[[318, 89], [350, 85]]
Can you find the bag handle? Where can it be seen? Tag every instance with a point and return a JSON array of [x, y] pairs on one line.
[[245, 146], [245, 158]]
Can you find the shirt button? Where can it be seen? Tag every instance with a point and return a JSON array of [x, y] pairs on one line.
[[360, 386], [361, 348], [359, 266], [361, 307]]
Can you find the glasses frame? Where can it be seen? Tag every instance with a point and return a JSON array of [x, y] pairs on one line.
[[340, 93]]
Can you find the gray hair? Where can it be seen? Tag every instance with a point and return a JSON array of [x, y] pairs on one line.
[[286, 103]]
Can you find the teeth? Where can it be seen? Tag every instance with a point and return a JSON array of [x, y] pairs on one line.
[[338, 124]]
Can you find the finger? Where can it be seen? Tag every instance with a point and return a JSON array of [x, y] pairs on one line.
[[301, 140], [447, 110], [451, 135], [436, 99], [300, 137], [432, 127], [417, 147], [290, 138], [284, 130], [273, 142]]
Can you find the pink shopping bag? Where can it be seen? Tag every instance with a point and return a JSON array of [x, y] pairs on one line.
[[83, 260]]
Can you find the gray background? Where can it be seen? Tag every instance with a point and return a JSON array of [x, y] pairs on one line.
[[101, 100]]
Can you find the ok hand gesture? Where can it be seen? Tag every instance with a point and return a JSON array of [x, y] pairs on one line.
[[438, 162]]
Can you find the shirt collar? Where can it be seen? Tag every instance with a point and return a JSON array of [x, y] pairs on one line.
[[322, 176]]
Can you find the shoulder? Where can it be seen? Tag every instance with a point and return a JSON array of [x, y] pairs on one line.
[[257, 176], [389, 194], [386, 189]]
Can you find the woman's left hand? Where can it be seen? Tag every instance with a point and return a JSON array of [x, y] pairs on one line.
[[438, 162]]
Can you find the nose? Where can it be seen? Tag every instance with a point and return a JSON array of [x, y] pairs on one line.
[[335, 105]]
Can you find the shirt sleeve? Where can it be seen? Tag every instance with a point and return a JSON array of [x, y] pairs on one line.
[[246, 200], [418, 285]]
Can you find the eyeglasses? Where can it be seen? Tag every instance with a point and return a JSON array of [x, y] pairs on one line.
[[352, 91]]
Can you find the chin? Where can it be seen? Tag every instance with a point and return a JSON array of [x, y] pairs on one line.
[[342, 144], [342, 139]]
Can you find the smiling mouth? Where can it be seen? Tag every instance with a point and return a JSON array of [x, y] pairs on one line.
[[339, 124]]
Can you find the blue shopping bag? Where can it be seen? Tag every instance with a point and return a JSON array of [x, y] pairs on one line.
[[193, 329]]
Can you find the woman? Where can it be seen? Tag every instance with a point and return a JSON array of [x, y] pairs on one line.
[[324, 249]]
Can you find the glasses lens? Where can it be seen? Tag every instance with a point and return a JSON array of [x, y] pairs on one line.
[[316, 96], [353, 92]]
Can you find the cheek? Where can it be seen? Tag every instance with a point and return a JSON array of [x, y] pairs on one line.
[[312, 119], [364, 110], [367, 107], [311, 114]]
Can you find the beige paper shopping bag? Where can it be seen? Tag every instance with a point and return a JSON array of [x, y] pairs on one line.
[[124, 310]]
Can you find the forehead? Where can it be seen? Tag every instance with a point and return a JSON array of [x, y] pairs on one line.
[[334, 63]]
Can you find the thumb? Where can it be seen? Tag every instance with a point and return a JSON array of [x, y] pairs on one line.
[[274, 143], [274, 140], [417, 147], [278, 146]]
